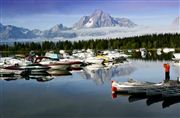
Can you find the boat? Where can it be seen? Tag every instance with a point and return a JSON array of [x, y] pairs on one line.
[[16, 60], [176, 57], [53, 64], [52, 55], [167, 50], [106, 58], [133, 86], [143, 52], [159, 51], [94, 60], [75, 64], [35, 67], [164, 89], [24, 70], [94, 67]]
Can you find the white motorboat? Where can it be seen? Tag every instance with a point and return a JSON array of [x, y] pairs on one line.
[[60, 65], [75, 64], [52, 55], [94, 60], [7, 61], [31, 67], [94, 66], [176, 57], [143, 52], [159, 51], [167, 50]]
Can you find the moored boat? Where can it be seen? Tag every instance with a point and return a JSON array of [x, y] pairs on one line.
[[133, 86], [60, 65], [94, 60]]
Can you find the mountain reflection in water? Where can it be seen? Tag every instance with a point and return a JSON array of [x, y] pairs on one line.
[[102, 75]]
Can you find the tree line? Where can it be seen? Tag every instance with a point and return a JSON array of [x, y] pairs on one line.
[[146, 41]]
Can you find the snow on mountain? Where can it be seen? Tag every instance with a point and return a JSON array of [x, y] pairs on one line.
[[58, 28], [102, 19], [98, 25], [10, 31], [59, 31], [81, 22], [13, 32]]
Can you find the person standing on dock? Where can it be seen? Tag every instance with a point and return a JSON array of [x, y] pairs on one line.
[[167, 71]]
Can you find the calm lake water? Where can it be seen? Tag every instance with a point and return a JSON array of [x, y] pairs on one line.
[[85, 94]]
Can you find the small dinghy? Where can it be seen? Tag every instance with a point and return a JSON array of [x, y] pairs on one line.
[[166, 89], [133, 86]]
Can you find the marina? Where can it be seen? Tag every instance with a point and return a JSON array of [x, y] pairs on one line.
[[66, 93], [89, 59]]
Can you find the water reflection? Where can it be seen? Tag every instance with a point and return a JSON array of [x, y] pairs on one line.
[[177, 69], [100, 75], [166, 101], [40, 76], [152, 55]]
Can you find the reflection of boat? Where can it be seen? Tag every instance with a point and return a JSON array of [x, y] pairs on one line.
[[136, 97], [35, 67], [9, 78], [58, 72], [40, 78], [166, 101], [153, 99], [9, 72], [170, 101]]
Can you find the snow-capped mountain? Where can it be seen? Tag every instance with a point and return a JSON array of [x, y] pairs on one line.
[[58, 31], [9, 31], [58, 28], [97, 25], [102, 19], [13, 32]]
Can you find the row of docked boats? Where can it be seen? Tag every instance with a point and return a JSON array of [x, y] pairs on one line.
[[164, 89], [26, 65], [166, 92]]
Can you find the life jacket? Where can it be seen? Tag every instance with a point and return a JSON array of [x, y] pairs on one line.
[[167, 67]]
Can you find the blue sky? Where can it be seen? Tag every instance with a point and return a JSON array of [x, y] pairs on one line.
[[43, 14]]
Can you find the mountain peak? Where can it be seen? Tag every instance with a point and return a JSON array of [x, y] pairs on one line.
[[57, 28], [101, 19], [98, 11]]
